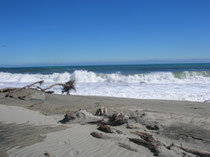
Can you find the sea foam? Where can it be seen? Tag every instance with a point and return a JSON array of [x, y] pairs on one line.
[[82, 76], [187, 85]]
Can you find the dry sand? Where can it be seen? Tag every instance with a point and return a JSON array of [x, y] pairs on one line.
[[29, 127]]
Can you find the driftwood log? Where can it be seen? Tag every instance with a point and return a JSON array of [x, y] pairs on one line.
[[153, 148], [4, 90], [10, 90], [193, 151], [147, 137], [147, 141], [66, 87], [99, 135], [28, 86], [118, 119], [115, 119], [106, 129]]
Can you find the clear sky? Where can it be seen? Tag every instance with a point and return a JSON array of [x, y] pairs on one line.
[[103, 31]]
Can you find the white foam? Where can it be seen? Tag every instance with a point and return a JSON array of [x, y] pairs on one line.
[[83, 76], [22, 78], [193, 86]]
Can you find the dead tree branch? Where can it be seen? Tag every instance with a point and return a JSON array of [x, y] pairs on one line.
[[28, 86], [67, 87]]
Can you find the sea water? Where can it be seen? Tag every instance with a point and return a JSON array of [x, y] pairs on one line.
[[149, 81]]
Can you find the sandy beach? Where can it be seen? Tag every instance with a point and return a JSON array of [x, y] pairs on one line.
[[105, 78], [31, 127]]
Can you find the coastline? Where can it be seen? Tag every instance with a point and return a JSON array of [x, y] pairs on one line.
[[182, 122], [45, 103]]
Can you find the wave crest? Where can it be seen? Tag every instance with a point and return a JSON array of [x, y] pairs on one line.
[[82, 76]]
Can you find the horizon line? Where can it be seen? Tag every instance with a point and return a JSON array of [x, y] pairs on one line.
[[207, 61]]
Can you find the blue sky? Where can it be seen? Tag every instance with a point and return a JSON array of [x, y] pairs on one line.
[[35, 32]]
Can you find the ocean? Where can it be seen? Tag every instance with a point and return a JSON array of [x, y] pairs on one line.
[[189, 82]]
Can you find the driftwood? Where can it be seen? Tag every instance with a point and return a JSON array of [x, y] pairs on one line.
[[207, 101], [99, 135], [117, 119], [106, 129], [25, 87], [146, 140], [49, 92], [67, 87], [152, 127], [13, 90], [131, 126], [69, 116], [153, 148], [4, 90], [147, 137], [97, 122], [193, 151], [56, 84], [47, 154], [28, 86], [127, 147], [21, 97], [101, 111], [118, 131]]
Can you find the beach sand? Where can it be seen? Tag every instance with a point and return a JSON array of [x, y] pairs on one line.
[[30, 127]]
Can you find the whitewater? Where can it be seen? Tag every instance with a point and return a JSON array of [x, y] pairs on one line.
[[185, 85]]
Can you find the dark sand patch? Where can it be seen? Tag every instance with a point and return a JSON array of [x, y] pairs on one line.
[[12, 135]]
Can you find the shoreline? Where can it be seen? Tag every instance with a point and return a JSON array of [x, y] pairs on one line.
[[45, 103], [179, 122], [118, 97]]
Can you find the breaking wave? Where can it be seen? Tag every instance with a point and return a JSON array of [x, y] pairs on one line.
[[82, 76]]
